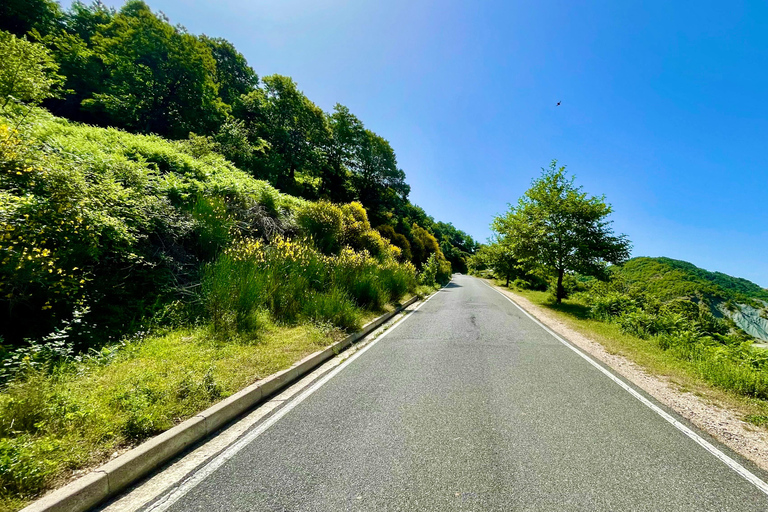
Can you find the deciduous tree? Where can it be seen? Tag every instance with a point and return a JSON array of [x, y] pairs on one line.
[[27, 70], [557, 225], [160, 78]]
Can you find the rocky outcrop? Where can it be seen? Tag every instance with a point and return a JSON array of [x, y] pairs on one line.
[[752, 320]]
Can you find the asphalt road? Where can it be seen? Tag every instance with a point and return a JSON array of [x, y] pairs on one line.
[[470, 405]]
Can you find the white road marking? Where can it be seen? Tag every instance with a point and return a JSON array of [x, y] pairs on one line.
[[738, 468], [175, 495]]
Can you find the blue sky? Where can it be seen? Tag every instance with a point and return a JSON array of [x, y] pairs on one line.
[[663, 109]]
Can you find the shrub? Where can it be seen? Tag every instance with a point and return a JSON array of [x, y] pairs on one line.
[[611, 305], [322, 222], [334, 307], [293, 280], [214, 225], [429, 270], [641, 324], [26, 466]]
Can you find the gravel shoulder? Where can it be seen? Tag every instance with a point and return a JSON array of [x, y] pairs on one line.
[[721, 423]]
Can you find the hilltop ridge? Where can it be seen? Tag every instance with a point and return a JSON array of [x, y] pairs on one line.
[[739, 299]]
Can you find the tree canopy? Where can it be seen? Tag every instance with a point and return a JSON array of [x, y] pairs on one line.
[[27, 71], [131, 68], [560, 227]]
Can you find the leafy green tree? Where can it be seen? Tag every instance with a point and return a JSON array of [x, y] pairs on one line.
[[295, 129], [457, 246], [346, 133], [558, 226], [500, 259], [71, 47], [27, 71], [22, 16], [363, 165], [379, 183], [233, 74], [160, 79], [84, 20]]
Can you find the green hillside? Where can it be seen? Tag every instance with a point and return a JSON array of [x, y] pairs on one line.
[[667, 279]]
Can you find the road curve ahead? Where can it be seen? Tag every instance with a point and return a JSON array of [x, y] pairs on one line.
[[470, 405]]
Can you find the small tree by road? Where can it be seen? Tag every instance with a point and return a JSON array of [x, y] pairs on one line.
[[558, 226]]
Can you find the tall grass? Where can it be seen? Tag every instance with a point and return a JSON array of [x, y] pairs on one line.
[[294, 282]]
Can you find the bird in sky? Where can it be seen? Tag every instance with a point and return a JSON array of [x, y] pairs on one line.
[[558, 103]]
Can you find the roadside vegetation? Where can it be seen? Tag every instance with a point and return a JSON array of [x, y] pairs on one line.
[[556, 248], [142, 284], [185, 242]]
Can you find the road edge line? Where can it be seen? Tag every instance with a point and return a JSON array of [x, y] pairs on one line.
[[170, 498], [712, 449], [109, 479]]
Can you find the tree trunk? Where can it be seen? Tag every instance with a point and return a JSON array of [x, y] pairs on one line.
[[560, 292], [507, 285]]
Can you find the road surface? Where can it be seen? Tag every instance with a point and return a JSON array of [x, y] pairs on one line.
[[468, 404]]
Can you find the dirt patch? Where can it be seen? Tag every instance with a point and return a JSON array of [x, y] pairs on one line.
[[722, 424]]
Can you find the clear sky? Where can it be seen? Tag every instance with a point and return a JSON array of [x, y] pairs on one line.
[[664, 106]]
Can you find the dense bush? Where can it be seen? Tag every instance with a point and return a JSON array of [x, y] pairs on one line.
[[112, 224], [292, 280], [685, 327], [611, 305], [331, 227]]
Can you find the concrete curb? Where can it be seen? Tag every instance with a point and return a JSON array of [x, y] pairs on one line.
[[109, 479]]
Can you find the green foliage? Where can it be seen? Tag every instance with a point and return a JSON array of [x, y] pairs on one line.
[[428, 274], [497, 257], [423, 244], [682, 326], [294, 128], [27, 71], [456, 245], [322, 222], [22, 16], [233, 74], [113, 222], [294, 281], [611, 305], [557, 226], [159, 78], [668, 279], [397, 240], [215, 225]]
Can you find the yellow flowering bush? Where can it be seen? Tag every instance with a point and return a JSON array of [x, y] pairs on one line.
[[293, 280], [116, 224]]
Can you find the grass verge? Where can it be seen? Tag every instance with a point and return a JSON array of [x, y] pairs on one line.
[[57, 426]]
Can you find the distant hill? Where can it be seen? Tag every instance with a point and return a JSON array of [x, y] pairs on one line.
[[669, 279], [743, 301]]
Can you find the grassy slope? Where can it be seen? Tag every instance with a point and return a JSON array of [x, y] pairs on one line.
[[53, 425]]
